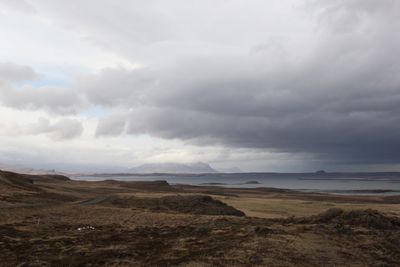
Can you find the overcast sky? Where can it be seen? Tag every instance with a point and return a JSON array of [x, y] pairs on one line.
[[260, 85]]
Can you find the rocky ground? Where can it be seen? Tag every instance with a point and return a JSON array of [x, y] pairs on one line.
[[52, 221]]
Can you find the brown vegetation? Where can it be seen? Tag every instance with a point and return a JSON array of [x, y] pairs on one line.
[[190, 204], [58, 222]]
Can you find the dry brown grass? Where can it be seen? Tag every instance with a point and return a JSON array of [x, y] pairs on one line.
[[282, 207], [42, 228]]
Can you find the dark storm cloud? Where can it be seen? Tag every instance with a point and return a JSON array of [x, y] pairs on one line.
[[342, 103]]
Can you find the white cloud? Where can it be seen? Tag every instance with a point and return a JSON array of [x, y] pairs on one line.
[[62, 129], [53, 100], [15, 73], [17, 124]]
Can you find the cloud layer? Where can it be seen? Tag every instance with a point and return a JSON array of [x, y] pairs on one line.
[[315, 78]]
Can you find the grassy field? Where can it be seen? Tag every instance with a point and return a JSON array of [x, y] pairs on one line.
[[280, 208]]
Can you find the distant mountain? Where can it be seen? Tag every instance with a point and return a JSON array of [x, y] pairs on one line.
[[198, 167], [26, 170]]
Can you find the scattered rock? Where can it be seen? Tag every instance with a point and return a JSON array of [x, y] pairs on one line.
[[85, 228]]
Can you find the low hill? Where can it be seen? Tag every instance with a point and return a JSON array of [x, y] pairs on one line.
[[14, 182], [14, 177], [191, 204]]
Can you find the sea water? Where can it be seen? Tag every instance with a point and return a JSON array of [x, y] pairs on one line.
[[339, 184]]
